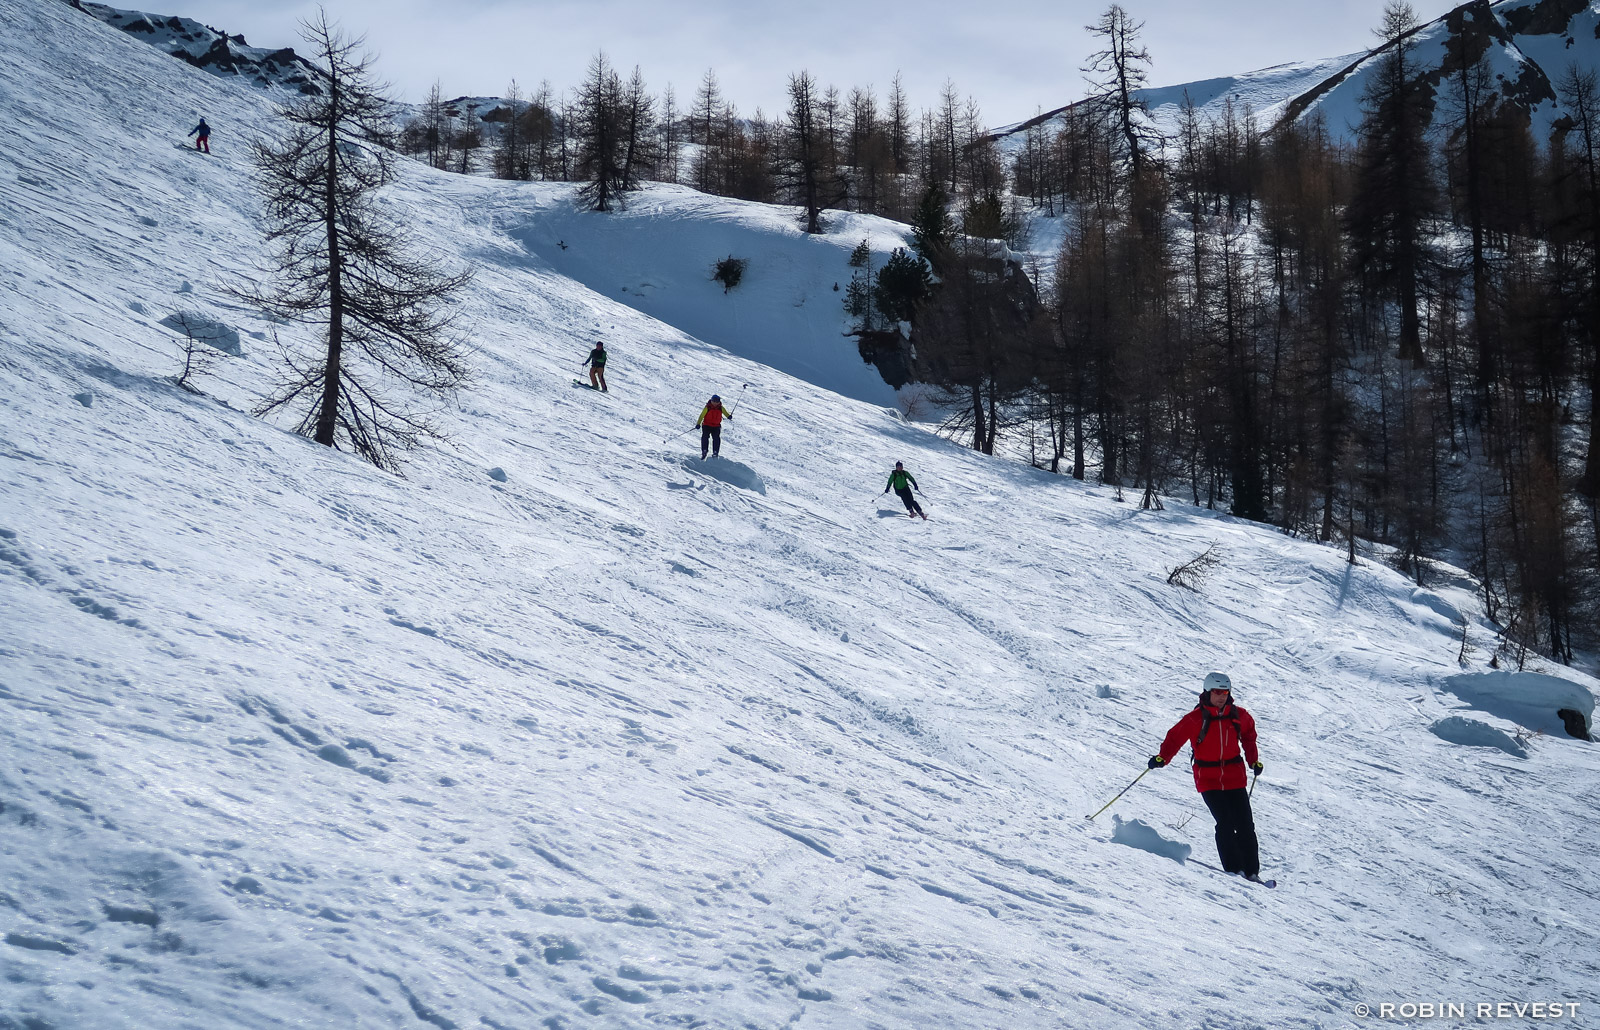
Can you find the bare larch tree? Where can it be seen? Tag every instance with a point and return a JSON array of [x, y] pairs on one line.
[[342, 264]]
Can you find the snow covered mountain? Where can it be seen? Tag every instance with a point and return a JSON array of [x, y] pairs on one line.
[[568, 729], [212, 49], [1527, 45]]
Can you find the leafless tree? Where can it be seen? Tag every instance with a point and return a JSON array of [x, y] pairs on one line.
[[342, 265], [1120, 68], [198, 355]]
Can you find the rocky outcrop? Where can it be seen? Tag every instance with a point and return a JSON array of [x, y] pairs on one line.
[[213, 50]]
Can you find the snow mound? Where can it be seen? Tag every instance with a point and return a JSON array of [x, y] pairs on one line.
[[1136, 833], [1472, 733], [1530, 699], [724, 470]]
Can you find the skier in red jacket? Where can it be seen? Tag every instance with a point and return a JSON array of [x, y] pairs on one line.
[[1216, 729]]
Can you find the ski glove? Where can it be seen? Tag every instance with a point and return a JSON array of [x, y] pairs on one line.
[[1156, 761], [1256, 768]]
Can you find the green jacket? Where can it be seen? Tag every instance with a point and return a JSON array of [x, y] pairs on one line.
[[597, 358], [899, 478]]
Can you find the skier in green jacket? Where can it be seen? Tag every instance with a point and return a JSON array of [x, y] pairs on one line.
[[903, 481]]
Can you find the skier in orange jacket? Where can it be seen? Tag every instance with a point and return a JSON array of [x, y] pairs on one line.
[[710, 425]]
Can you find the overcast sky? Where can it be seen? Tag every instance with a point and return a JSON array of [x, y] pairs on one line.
[[1014, 57]]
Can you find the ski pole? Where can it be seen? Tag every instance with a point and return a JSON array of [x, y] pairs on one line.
[[1121, 792], [1252, 791], [739, 398], [674, 436]]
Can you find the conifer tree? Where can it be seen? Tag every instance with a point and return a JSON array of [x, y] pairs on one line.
[[602, 121], [805, 165], [343, 265], [1121, 68], [436, 127], [510, 152], [1395, 195]]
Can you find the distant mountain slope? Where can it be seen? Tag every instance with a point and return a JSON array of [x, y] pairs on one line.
[[1527, 44], [212, 49]]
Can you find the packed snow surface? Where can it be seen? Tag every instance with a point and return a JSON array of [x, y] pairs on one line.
[[566, 729]]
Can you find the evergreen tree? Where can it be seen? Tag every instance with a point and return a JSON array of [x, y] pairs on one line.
[[671, 135], [932, 229], [901, 285], [640, 154], [974, 338]]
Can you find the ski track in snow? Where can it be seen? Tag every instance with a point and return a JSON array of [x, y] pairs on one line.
[[608, 739]]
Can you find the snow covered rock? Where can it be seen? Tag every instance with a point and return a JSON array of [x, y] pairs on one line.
[[205, 329], [213, 50], [1529, 699]]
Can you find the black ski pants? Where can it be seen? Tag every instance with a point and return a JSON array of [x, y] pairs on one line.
[[710, 436], [1236, 830], [911, 502]]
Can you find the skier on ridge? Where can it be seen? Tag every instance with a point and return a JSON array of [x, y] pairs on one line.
[[202, 135], [1215, 729], [710, 425], [903, 481], [597, 367]]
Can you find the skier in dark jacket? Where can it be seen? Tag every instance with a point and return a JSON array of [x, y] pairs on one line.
[[597, 367], [710, 425], [1215, 730], [202, 136], [903, 481]]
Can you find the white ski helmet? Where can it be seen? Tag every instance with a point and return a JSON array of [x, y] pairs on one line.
[[1218, 681]]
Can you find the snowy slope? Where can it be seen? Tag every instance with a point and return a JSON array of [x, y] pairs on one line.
[[567, 729], [658, 254], [1266, 92], [1507, 34], [1527, 46]]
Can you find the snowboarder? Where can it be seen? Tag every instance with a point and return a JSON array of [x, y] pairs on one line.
[[710, 425], [903, 481], [1216, 729], [597, 367], [202, 136]]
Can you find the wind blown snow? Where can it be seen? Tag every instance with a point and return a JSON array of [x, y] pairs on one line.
[[567, 729]]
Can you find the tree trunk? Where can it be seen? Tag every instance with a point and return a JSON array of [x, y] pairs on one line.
[[328, 415]]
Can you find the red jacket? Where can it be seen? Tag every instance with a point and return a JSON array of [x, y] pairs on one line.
[[713, 414], [1217, 765]]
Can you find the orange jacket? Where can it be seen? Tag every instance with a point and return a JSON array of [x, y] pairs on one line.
[[712, 415], [1217, 765]]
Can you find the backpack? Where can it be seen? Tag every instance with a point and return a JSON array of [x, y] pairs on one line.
[[1206, 719]]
